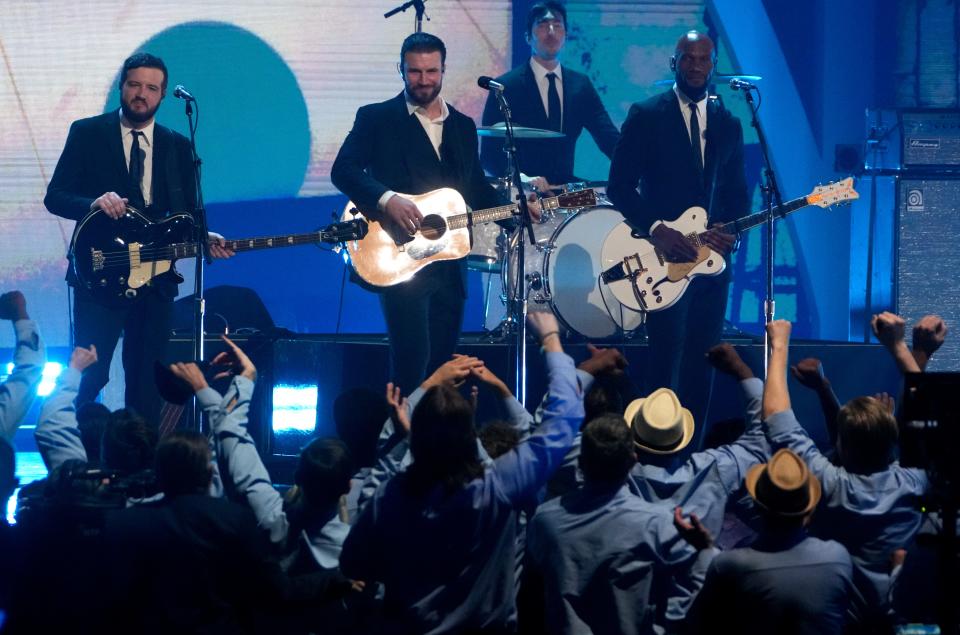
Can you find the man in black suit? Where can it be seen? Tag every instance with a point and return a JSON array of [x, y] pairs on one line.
[[108, 162], [678, 150], [415, 143], [544, 94]]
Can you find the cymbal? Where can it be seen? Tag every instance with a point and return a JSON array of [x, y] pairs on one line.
[[717, 79], [520, 132]]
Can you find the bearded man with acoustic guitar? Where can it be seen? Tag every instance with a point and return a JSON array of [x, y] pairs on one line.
[[413, 144], [679, 150], [112, 161]]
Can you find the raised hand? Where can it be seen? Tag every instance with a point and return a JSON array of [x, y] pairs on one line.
[[809, 372], [13, 306], [929, 334], [83, 358], [693, 531], [603, 360], [190, 373], [236, 359], [398, 408], [889, 328], [489, 379], [779, 333], [725, 359], [887, 401], [545, 327], [454, 372]]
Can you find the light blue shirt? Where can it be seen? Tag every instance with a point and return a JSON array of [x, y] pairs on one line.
[[870, 514], [447, 559], [610, 561], [18, 391], [247, 472]]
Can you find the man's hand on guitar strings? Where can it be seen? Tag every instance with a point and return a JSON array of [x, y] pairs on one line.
[[673, 244], [218, 246], [404, 213], [719, 241]]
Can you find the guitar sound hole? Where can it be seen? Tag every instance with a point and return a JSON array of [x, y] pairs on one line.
[[433, 226]]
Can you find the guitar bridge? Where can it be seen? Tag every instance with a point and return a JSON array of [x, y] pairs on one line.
[[96, 259]]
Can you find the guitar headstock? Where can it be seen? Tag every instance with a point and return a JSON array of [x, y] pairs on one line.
[[581, 198], [833, 193], [347, 230]]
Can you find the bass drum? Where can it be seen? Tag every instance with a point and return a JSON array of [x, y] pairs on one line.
[[562, 272]]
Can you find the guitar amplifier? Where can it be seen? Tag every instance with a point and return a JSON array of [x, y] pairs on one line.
[[930, 139], [927, 266]]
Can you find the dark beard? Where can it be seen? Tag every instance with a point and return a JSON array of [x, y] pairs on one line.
[[413, 97], [694, 94], [136, 117]]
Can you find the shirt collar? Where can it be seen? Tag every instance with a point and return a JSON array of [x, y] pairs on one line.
[[686, 101], [540, 73], [147, 131], [416, 108]]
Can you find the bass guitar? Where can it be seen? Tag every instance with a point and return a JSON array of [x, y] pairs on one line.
[[114, 258], [388, 255], [642, 279]]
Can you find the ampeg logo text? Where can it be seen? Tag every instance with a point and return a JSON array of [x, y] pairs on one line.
[[927, 144], [915, 200]]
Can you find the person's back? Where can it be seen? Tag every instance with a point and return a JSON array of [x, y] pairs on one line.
[[782, 589]]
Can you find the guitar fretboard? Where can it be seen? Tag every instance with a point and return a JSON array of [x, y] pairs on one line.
[[459, 221], [189, 250], [753, 220]]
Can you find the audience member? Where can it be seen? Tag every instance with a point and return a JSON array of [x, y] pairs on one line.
[[606, 558], [870, 504], [454, 519], [786, 582]]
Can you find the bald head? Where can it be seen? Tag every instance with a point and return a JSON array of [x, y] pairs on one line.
[[693, 62]]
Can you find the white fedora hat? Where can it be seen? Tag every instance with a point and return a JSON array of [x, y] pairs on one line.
[[660, 424]]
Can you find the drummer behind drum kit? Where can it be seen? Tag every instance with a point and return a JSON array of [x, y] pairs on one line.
[[562, 270]]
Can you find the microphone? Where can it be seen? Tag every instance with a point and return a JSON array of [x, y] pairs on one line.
[[488, 83], [182, 93], [739, 84]]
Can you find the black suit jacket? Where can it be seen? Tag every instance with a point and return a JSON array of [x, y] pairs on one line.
[[92, 163], [653, 175], [552, 158], [387, 149]]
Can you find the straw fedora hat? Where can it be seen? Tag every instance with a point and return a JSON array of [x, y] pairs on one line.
[[784, 485], [660, 424]]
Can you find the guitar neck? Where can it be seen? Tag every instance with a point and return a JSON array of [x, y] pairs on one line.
[[189, 250], [753, 220], [459, 221]]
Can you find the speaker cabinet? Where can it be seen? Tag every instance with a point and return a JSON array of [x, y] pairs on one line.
[[928, 257]]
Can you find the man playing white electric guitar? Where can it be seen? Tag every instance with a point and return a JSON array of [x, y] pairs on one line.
[[680, 150]]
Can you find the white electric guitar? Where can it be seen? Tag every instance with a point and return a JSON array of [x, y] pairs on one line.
[[642, 279]]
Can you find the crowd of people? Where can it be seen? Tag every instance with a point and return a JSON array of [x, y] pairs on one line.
[[592, 515]]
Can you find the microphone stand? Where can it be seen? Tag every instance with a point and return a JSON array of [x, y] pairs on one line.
[[416, 4], [202, 254], [771, 195], [518, 301]]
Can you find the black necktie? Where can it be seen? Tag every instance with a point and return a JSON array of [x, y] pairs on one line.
[[136, 170], [553, 104], [695, 136]]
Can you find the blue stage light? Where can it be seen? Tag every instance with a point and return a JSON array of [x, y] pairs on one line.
[[294, 408], [51, 371]]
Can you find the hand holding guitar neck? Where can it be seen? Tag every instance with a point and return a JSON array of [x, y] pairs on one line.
[[673, 244]]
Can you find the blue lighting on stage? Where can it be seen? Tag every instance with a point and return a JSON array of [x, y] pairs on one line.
[[295, 408], [51, 371]]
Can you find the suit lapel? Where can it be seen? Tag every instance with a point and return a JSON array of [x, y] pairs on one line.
[[679, 137], [418, 152], [113, 135]]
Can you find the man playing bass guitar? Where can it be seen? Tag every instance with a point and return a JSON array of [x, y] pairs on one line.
[[109, 162], [678, 150]]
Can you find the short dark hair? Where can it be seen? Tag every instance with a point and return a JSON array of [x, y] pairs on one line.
[[606, 450], [443, 441], [358, 414], [128, 442], [867, 434], [324, 471], [142, 60], [541, 9], [602, 398], [423, 43], [183, 464]]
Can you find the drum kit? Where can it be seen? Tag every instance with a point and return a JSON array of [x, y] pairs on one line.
[[562, 269]]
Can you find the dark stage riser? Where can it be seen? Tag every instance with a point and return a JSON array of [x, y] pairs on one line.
[[854, 369]]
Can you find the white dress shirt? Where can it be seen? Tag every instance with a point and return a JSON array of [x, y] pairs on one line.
[[146, 144], [543, 84], [433, 128]]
